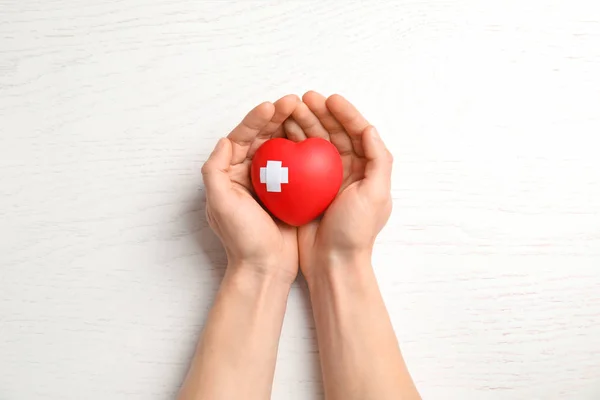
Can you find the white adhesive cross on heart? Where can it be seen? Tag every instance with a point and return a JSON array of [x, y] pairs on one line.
[[273, 175]]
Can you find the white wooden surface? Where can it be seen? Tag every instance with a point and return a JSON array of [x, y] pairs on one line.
[[490, 264]]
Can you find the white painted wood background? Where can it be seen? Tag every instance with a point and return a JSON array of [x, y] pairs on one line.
[[490, 264]]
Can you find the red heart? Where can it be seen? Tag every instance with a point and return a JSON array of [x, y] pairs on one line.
[[296, 181]]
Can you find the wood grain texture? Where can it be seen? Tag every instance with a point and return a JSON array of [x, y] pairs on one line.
[[490, 265]]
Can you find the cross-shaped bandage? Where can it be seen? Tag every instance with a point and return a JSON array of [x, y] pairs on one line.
[[273, 175]]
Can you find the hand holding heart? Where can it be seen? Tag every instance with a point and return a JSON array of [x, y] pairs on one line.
[[345, 235], [253, 241], [346, 232]]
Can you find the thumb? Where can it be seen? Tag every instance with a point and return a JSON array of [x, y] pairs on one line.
[[214, 171], [378, 170]]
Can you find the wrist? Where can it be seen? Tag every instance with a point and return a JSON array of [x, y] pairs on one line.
[[258, 277], [339, 267], [339, 290]]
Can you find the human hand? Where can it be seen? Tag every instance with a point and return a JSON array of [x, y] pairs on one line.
[[253, 241], [346, 233]]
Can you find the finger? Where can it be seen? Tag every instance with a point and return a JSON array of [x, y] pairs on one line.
[[283, 109], [243, 135], [293, 131], [337, 134], [309, 122], [352, 121], [378, 170], [215, 172]]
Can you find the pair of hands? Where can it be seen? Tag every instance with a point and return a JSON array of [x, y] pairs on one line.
[[344, 236]]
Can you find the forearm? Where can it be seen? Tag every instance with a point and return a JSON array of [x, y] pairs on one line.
[[236, 354], [360, 357]]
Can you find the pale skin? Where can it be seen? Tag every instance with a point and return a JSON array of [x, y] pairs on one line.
[[359, 353]]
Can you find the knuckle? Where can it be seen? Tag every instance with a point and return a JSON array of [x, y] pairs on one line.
[[209, 168], [206, 168], [384, 198], [383, 195], [389, 157]]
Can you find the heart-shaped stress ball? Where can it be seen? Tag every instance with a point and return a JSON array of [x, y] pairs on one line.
[[296, 182]]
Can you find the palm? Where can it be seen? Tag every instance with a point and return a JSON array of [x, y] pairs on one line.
[[346, 203], [255, 223], [328, 228]]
